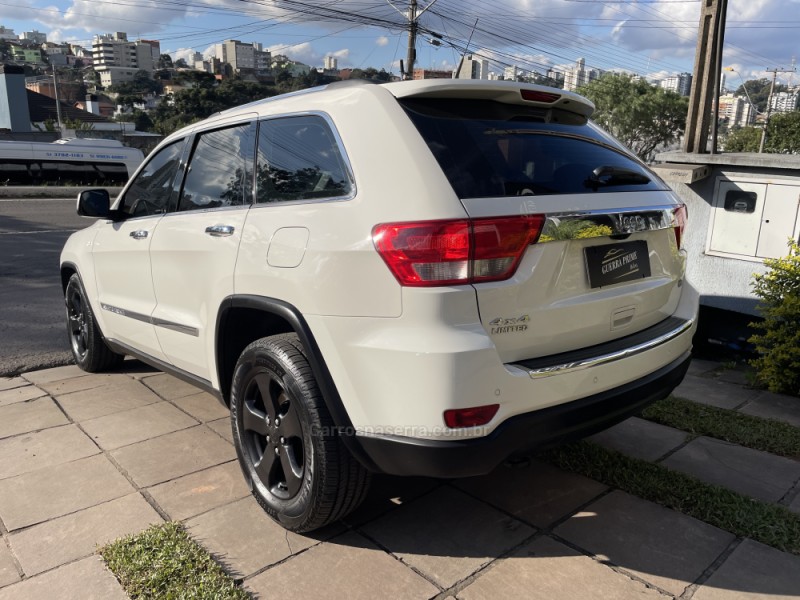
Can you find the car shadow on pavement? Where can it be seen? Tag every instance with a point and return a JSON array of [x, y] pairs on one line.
[[529, 512]]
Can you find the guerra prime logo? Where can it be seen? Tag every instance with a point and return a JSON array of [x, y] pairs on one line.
[[618, 258]]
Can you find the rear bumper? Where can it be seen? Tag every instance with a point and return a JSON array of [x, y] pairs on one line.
[[548, 426]]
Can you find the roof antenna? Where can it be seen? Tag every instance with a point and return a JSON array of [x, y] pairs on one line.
[[466, 48]]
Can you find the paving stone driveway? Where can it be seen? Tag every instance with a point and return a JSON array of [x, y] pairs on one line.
[[85, 459]]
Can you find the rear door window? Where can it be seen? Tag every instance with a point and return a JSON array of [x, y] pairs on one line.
[[299, 159], [490, 149]]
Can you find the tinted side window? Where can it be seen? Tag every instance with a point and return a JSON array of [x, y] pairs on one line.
[[221, 169], [150, 192], [299, 159]]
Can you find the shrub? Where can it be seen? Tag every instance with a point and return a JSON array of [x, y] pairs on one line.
[[778, 340]]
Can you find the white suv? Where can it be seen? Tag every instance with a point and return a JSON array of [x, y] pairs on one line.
[[418, 278]]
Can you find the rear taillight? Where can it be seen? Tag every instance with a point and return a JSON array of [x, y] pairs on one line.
[[435, 253], [679, 218]]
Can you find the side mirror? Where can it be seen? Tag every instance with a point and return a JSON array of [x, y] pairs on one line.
[[94, 203]]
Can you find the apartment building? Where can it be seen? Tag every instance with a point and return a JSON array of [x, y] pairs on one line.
[[785, 101], [680, 83], [117, 59], [579, 75], [736, 111]]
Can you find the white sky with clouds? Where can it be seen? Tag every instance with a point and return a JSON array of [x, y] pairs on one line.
[[648, 37]]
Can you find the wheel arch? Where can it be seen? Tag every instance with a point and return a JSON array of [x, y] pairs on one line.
[[242, 319], [68, 269]]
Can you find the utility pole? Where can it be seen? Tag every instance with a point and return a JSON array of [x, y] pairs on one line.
[[58, 103], [413, 26], [412, 39], [769, 105], [706, 82]]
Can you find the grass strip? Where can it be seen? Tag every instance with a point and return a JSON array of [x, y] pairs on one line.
[[769, 524], [757, 433], [164, 562]]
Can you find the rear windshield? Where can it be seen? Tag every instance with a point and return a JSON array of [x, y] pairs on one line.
[[490, 149]]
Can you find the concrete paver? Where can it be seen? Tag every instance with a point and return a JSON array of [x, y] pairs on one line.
[[795, 504], [203, 406], [137, 424], [738, 376], [663, 547], [87, 579], [774, 406], [460, 535], [24, 417], [56, 374], [106, 400], [546, 569], [173, 455], [386, 493], [8, 570], [751, 472], [9, 383], [58, 490], [199, 492], [702, 367], [243, 539], [640, 438], [714, 392], [62, 540], [87, 381], [54, 446], [223, 428], [20, 394], [169, 387], [539, 494], [753, 572], [59, 498], [349, 567]]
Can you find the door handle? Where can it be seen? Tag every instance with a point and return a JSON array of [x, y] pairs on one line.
[[220, 230], [139, 234]]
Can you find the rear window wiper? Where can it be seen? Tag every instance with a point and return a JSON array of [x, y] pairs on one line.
[[609, 176]]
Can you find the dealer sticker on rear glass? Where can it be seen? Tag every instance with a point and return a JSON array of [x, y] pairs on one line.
[[615, 263]]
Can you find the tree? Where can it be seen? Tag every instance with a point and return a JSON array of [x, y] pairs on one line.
[[641, 116], [783, 136], [181, 64], [758, 91], [165, 61], [745, 139], [783, 133]]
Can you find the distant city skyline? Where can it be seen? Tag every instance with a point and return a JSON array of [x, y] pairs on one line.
[[653, 39]]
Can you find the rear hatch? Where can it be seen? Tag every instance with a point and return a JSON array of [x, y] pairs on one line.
[[606, 263]]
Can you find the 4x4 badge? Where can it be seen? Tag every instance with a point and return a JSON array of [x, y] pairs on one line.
[[509, 325]]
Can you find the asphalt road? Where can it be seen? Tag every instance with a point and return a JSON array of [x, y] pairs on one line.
[[32, 323]]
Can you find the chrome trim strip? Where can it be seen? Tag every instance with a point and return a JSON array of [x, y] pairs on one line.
[[193, 331], [588, 224], [604, 359], [126, 313]]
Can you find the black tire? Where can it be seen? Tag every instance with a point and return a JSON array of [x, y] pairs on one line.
[[85, 340], [292, 458]]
